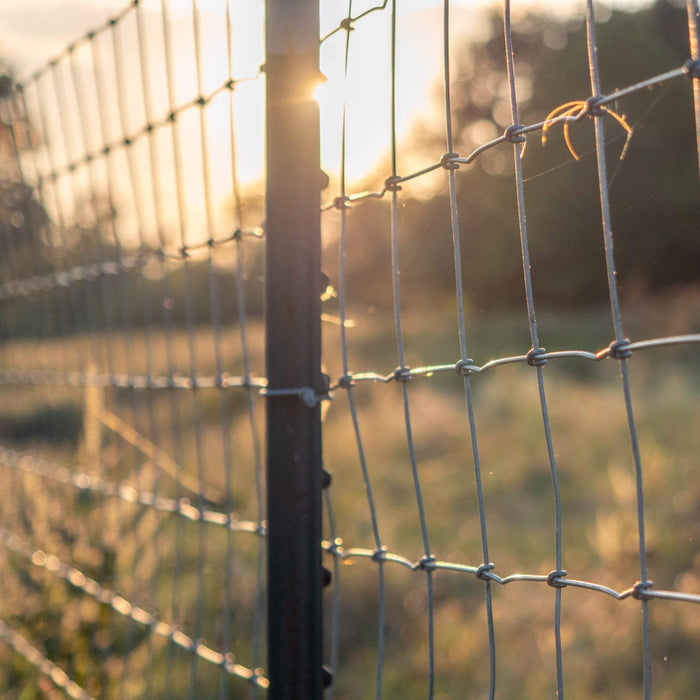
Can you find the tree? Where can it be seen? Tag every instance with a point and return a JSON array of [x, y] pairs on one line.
[[653, 190]]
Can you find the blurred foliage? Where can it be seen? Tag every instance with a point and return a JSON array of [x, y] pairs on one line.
[[653, 191], [60, 423]]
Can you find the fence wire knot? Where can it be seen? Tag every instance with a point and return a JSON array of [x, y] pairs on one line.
[[535, 357], [449, 162], [482, 573], [402, 374], [391, 184], [427, 563], [379, 554], [341, 202], [620, 349], [639, 588], [346, 24], [691, 68], [335, 547], [554, 578], [346, 381], [308, 396], [513, 134], [465, 367], [591, 107], [577, 110]]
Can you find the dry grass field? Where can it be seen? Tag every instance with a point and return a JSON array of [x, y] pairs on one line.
[[177, 568]]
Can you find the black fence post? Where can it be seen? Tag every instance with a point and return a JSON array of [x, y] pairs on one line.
[[293, 342]]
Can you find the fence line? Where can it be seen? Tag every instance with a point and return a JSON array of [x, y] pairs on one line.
[[485, 572], [44, 665], [138, 382], [41, 377], [95, 271], [77, 168], [77, 579], [85, 481]]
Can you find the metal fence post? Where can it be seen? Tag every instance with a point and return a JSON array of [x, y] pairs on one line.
[[293, 340]]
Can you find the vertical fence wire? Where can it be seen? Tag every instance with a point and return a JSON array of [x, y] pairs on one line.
[[181, 224], [694, 64], [621, 344], [157, 209], [225, 419], [401, 372], [138, 198], [536, 352], [347, 378], [203, 145], [464, 360]]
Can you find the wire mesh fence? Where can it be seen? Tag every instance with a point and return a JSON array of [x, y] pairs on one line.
[[132, 366]]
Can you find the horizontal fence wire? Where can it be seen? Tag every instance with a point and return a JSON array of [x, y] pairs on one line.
[[485, 572], [79, 580], [42, 664], [89, 273], [91, 482], [452, 161], [131, 267]]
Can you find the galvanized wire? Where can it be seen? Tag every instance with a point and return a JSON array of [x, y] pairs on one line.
[[464, 359], [533, 357], [620, 339], [342, 310], [84, 481], [428, 560], [693, 65], [481, 572]]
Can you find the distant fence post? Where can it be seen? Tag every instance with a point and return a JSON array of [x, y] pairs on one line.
[[293, 344]]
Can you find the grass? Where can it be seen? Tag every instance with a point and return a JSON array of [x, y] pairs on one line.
[[155, 559]]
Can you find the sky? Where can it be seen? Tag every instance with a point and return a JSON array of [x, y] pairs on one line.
[[33, 31]]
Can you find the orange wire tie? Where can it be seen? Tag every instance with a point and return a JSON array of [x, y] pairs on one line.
[[576, 109]]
